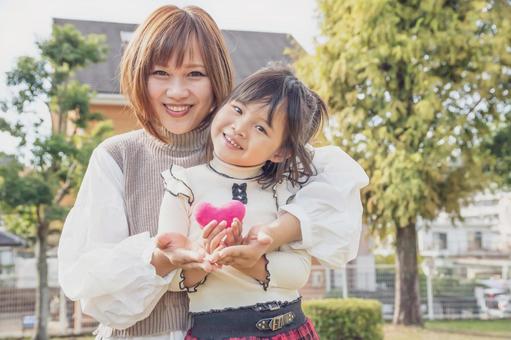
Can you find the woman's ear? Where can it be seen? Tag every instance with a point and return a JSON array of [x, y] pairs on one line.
[[280, 155]]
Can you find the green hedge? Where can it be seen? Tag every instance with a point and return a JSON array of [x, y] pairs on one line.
[[346, 319]]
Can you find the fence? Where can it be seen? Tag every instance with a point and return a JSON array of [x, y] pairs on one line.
[[447, 293], [17, 312]]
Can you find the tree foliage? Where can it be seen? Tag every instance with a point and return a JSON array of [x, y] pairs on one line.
[[32, 195], [58, 159], [500, 147], [415, 89]]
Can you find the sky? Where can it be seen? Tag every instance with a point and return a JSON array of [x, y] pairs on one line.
[[23, 22]]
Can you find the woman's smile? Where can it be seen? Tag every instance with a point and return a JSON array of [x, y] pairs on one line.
[[177, 110]]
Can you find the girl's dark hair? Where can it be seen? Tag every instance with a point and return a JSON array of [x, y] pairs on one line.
[[278, 87]]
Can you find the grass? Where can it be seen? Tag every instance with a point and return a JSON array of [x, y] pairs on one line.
[[501, 327], [416, 333], [451, 330]]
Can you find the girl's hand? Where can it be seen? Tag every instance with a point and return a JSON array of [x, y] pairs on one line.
[[245, 255], [217, 236], [210, 231], [181, 252]]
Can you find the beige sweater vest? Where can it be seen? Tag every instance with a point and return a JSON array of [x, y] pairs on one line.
[[142, 158]]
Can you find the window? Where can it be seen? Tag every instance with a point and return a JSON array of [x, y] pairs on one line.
[[317, 279], [475, 240], [439, 241]]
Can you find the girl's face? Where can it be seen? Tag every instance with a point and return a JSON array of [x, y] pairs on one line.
[[181, 97], [242, 135]]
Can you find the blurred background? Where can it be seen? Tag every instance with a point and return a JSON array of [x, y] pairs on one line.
[[418, 94]]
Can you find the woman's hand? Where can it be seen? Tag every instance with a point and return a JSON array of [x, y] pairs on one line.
[[175, 250]]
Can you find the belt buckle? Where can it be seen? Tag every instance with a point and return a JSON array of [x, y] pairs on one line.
[[277, 322]]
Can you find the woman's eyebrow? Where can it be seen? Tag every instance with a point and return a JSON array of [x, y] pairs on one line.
[[193, 65]]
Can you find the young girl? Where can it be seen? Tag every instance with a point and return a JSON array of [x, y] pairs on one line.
[[260, 158]]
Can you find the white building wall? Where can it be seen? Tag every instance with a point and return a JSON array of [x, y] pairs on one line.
[[504, 225], [489, 214], [365, 277]]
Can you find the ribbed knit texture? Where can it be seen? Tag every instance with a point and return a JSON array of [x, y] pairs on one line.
[[142, 158]]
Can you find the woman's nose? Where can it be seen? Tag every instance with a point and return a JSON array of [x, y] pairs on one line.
[[177, 88]]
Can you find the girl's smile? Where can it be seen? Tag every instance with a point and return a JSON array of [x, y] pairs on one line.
[[231, 143]]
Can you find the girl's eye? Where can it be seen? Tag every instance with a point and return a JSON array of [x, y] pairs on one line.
[[237, 109], [196, 74], [261, 129]]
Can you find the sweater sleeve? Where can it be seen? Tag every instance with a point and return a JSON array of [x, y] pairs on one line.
[[329, 208], [288, 268], [98, 262]]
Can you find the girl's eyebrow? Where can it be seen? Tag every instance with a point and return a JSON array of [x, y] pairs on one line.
[[239, 103]]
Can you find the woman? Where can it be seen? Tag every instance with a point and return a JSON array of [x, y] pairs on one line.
[[176, 72]]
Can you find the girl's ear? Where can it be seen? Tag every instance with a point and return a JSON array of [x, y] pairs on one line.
[[280, 155]]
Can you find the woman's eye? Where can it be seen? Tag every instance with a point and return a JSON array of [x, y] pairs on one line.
[[197, 74], [159, 73]]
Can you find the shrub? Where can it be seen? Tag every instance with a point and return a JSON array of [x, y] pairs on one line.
[[346, 319]]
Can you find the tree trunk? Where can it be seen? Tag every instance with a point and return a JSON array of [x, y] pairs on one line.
[[43, 293], [407, 300]]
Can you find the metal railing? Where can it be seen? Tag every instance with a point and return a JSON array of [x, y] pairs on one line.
[[445, 293]]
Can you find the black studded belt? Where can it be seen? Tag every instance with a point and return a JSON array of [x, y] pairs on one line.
[[261, 320]]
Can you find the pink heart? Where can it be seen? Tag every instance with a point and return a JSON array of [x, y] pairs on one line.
[[207, 212]]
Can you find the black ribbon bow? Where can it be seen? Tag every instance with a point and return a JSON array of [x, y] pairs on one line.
[[239, 192]]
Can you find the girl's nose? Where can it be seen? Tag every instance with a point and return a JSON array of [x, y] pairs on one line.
[[177, 89], [238, 127]]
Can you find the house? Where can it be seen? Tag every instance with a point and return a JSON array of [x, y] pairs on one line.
[[8, 248], [481, 242]]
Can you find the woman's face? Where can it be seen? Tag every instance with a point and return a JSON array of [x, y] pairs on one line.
[[181, 97]]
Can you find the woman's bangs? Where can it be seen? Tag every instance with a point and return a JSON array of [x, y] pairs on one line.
[[175, 42]]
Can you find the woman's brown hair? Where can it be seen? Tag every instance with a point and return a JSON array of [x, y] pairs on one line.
[[169, 31]]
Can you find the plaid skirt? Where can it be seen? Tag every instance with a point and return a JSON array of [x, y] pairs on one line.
[[271, 321]]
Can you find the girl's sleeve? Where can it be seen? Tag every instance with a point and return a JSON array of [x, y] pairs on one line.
[[288, 268], [175, 206], [329, 208], [98, 262]]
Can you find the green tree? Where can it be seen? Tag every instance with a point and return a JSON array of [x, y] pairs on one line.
[[31, 195], [500, 147], [414, 89]]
